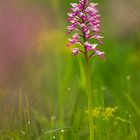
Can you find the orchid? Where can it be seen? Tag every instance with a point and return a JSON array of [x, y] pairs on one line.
[[84, 21], [84, 18]]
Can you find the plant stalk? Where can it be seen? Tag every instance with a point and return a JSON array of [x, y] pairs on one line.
[[89, 99]]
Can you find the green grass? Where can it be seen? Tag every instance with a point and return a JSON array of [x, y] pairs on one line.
[[60, 111]]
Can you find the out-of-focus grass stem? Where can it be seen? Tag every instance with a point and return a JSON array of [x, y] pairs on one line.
[[36, 130], [128, 96], [20, 109], [137, 109], [28, 117], [62, 135]]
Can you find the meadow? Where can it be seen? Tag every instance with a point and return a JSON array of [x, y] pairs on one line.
[[42, 86]]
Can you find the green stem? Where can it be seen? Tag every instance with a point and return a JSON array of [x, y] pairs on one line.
[[89, 98]]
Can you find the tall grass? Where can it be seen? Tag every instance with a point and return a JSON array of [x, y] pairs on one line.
[[73, 106]]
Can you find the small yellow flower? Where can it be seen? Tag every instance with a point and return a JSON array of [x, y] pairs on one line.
[[109, 112], [104, 113], [96, 112]]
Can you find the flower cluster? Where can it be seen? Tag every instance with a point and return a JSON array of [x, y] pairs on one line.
[[104, 113], [85, 20]]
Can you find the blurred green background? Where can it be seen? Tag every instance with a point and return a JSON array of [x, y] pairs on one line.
[[41, 84]]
